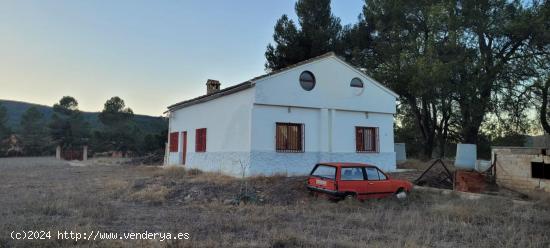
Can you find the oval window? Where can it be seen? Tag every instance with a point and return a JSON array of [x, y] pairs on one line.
[[357, 86], [307, 80]]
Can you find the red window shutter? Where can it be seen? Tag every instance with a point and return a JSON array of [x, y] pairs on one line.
[[174, 142], [204, 140], [377, 140], [197, 140], [200, 140], [359, 144]]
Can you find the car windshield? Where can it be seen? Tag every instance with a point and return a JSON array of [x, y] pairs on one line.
[[324, 171]]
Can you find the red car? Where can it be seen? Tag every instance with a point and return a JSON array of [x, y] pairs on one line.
[[355, 180]]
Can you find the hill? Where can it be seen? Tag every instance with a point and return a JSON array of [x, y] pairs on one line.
[[15, 109]]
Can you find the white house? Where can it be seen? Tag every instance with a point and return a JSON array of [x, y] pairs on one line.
[[320, 110]]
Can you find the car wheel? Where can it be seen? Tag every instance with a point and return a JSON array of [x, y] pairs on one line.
[[401, 194], [350, 197]]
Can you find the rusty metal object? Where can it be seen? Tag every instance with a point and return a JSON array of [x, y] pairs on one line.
[[436, 176]]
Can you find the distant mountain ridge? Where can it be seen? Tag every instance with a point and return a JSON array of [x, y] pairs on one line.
[[15, 109]]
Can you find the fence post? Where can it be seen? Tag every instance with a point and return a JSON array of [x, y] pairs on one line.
[[58, 152], [85, 153]]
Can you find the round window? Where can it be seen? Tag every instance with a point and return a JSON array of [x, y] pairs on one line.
[[307, 80], [357, 85]]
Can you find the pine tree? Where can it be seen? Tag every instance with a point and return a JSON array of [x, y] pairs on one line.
[[319, 33], [4, 129], [119, 131], [319, 28], [33, 133], [68, 127]]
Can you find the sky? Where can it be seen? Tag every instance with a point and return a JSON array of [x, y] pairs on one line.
[[150, 53]]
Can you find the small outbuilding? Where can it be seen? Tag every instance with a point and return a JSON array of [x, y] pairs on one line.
[[286, 121], [522, 169]]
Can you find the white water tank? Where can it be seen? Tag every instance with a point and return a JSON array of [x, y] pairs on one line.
[[400, 152], [466, 156]]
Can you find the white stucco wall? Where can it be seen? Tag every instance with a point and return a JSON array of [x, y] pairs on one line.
[[332, 90], [241, 126], [227, 120], [330, 112], [329, 137], [343, 136], [264, 119]]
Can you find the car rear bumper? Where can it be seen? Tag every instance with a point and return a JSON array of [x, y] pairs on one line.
[[326, 191]]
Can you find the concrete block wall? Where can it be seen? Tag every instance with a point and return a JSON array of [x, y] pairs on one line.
[[513, 171]]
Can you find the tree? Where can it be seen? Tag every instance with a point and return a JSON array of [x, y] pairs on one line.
[[356, 44], [464, 70], [541, 46], [499, 32], [318, 34], [414, 50], [119, 132], [4, 129], [543, 111], [67, 127], [155, 142], [33, 132], [456, 64], [114, 112]]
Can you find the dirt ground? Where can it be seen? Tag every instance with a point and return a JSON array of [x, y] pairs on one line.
[[216, 210]]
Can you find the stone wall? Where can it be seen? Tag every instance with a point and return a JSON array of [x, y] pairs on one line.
[[513, 169]]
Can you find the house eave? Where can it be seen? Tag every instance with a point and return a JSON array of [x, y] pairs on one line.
[[209, 97]]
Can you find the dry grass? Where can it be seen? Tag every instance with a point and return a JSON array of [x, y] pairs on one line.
[[541, 199], [172, 172], [46, 194], [152, 194], [116, 187]]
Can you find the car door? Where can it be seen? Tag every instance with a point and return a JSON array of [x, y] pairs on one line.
[[378, 184], [352, 179]]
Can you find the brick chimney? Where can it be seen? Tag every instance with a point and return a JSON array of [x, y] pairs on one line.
[[212, 86]]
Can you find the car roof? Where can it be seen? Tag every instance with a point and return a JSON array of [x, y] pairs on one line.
[[347, 164]]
